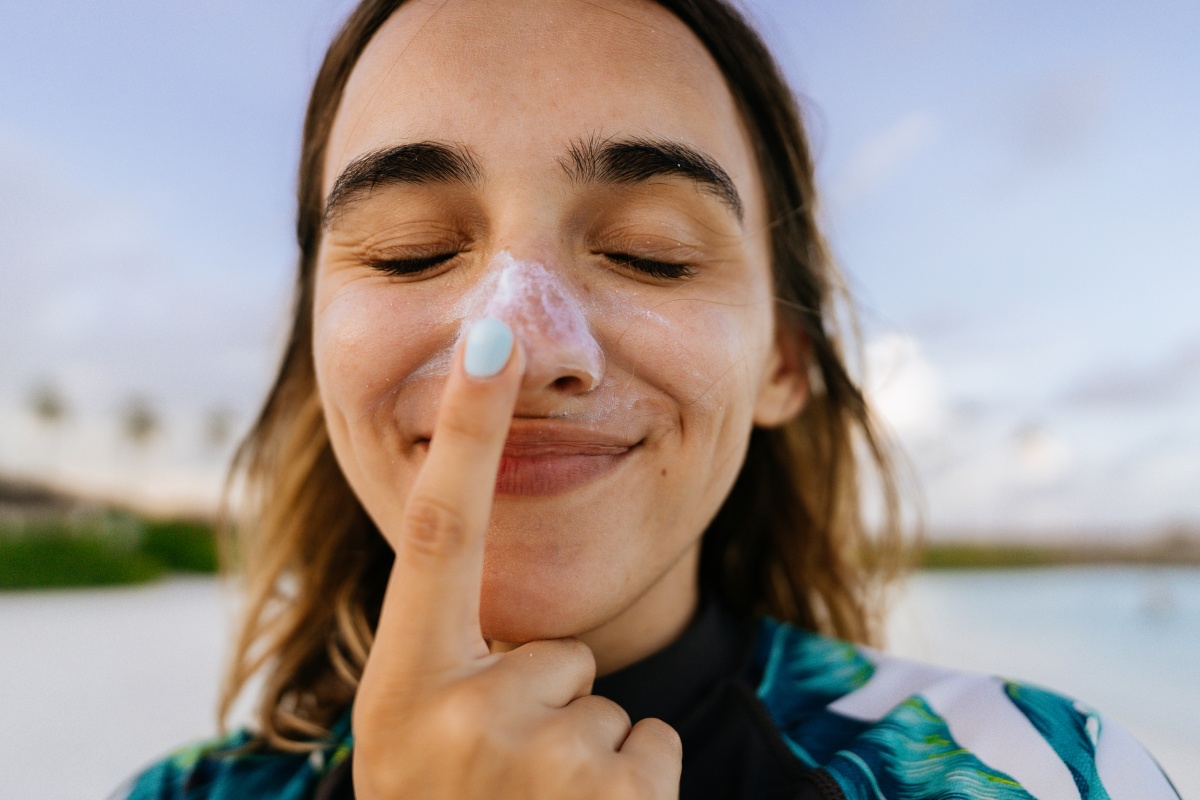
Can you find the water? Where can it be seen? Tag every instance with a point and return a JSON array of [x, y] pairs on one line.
[[95, 683], [1124, 640]]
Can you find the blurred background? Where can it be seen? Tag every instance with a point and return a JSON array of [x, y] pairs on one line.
[[1012, 189]]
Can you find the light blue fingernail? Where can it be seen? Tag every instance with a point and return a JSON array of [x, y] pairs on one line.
[[489, 344]]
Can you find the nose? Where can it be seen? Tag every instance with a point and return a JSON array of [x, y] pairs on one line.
[[546, 315]]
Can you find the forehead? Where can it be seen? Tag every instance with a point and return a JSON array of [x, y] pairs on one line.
[[513, 79]]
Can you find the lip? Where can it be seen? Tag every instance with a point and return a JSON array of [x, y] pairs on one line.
[[544, 457]]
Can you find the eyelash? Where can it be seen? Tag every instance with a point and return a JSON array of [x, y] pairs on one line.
[[411, 266], [663, 270]]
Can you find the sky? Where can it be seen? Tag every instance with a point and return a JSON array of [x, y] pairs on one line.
[[1012, 189]]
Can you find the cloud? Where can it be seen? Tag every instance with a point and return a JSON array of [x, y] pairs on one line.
[[1012, 467], [903, 387], [882, 157], [1056, 478], [1043, 454]]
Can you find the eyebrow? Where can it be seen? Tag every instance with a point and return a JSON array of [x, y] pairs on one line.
[[595, 160], [632, 161], [415, 163]]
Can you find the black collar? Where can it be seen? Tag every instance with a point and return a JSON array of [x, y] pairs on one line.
[[715, 646]]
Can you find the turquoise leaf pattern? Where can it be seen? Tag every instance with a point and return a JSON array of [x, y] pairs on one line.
[[910, 754], [1071, 731]]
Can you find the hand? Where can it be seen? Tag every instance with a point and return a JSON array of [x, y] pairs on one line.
[[436, 714]]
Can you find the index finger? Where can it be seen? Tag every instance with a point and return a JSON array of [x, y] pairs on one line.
[[430, 617]]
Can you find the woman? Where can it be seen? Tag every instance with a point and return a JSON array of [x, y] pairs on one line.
[[563, 442]]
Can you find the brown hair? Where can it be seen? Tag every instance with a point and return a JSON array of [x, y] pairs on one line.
[[790, 540]]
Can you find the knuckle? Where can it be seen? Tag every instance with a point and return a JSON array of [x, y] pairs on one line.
[[433, 529], [575, 648], [459, 718], [575, 653], [569, 654], [668, 735]]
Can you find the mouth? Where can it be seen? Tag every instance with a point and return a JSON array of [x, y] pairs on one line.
[[543, 457]]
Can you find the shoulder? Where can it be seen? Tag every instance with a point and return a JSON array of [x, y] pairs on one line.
[[236, 765], [890, 727]]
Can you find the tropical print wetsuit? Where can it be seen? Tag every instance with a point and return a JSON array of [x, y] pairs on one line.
[[766, 710]]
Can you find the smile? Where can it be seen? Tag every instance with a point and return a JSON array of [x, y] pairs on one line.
[[528, 474], [544, 457]]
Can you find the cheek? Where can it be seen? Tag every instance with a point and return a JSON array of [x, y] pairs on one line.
[[702, 353], [368, 341]]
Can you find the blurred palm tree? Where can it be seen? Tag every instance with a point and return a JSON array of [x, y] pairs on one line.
[[48, 404], [139, 422], [50, 409], [218, 428]]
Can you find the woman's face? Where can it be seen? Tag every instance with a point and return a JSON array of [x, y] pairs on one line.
[[578, 170]]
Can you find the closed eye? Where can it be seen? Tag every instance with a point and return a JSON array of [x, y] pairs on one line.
[[410, 266], [665, 270]]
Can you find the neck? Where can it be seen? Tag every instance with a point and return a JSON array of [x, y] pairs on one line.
[[652, 621]]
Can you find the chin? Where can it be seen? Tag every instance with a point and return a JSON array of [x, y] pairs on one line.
[[521, 604], [543, 579]]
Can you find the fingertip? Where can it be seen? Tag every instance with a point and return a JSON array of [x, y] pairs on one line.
[[656, 752], [664, 732], [488, 349]]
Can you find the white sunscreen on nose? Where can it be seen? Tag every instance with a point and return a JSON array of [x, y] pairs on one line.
[[542, 311]]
